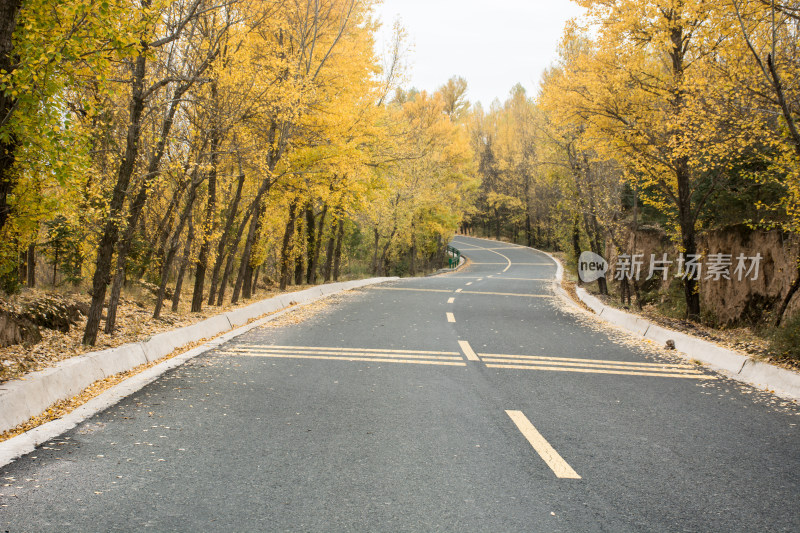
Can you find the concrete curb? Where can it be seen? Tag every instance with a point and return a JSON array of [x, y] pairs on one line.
[[23, 398], [738, 366], [781, 382]]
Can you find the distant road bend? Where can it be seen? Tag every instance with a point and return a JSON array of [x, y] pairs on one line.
[[470, 401]]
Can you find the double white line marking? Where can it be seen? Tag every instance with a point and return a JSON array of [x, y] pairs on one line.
[[592, 366]]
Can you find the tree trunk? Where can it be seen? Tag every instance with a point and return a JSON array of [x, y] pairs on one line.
[[124, 245], [173, 247], [328, 269], [105, 248], [788, 298], [256, 273], [635, 238], [314, 259], [164, 228], [245, 277], [56, 254], [312, 252], [208, 223], [187, 250], [528, 230], [245, 268], [31, 271], [337, 254], [275, 137], [376, 246], [299, 266], [686, 218], [9, 10], [288, 233], [688, 239], [412, 263], [232, 256], [384, 253], [299, 256], [223, 241], [576, 242]]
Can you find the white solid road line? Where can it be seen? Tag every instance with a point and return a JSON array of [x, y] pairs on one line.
[[486, 293], [682, 375], [369, 355], [508, 261], [315, 348], [537, 359], [347, 358], [451, 317], [468, 351], [556, 463], [277, 353]]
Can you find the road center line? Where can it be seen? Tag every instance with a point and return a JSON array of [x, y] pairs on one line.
[[508, 261], [468, 351], [409, 289], [590, 365], [451, 317], [680, 375], [279, 353], [485, 293], [338, 349], [533, 359], [556, 463], [528, 279], [349, 358], [508, 294]]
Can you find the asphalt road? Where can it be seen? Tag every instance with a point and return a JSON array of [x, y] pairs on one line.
[[472, 401]]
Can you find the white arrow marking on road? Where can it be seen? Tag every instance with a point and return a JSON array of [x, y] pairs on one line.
[[556, 463]]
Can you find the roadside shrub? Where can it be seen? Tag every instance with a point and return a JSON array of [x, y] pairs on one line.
[[786, 339]]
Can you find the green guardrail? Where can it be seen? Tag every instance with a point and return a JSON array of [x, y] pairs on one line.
[[453, 257]]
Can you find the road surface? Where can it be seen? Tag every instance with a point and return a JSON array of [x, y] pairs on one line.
[[473, 401]]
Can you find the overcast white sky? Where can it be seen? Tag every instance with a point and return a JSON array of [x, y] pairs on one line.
[[493, 44]]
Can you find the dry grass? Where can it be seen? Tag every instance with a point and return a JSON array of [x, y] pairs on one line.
[[135, 323], [59, 409]]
